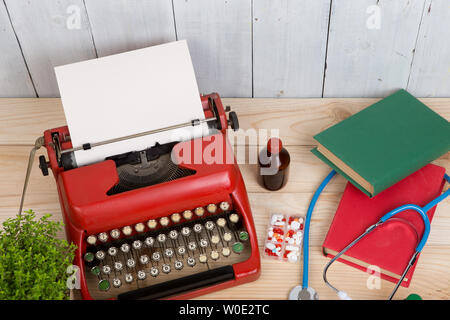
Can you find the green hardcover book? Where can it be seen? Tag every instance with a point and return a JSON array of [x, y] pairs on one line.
[[384, 143]]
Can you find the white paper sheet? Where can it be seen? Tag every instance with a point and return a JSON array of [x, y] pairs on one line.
[[129, 93]]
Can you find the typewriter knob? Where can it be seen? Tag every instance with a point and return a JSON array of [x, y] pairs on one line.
[[233, 121], [43, 165]]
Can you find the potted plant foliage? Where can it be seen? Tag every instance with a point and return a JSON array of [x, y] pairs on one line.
[[33, 261]]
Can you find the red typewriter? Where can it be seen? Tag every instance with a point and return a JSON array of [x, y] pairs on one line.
[[148, 227]]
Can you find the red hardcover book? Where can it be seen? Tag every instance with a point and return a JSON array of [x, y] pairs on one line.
[[391, 245]]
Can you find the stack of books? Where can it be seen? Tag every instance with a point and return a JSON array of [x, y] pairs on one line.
[[384, 151]]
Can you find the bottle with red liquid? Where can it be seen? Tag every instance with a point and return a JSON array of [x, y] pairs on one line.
[[273, 163]]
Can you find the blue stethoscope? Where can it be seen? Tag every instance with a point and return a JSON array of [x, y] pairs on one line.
[[304, 292]]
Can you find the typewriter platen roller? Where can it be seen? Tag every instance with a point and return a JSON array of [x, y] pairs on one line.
[[147, 227]]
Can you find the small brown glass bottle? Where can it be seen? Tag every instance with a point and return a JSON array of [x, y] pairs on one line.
[[274, 163]]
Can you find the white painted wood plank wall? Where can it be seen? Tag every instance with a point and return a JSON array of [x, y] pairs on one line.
[[219, 35], [369, 57], [289, 42], [41, 27], [240, 48], [124, 25], [430, 73], [14, 77]]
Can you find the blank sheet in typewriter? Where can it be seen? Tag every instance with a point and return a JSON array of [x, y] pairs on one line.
[[129, 93]]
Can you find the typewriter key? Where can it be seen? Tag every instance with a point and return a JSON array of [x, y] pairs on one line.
[[227, 236], [127, 230], [224, 206], [202, 258], [106, 269], [149, 241], [128, 278], [156, 256], [161, 237], [199, 211], [88, 257], [164, 221], [191, 261], [176, 217], [125, 248], [178, 265], [151, 224], [131, 263], [226, 251], [173, 234], [141, 275], [118, 266], [166, 268], [95, 270], [212, 208], [137, 244], [215, 239], [186, 231], [144, 259], [203, 243], [115, 233], [181, 250], [192, 246], [112, 251], [103, 285], [100, 255], [103, 237], [168, 252], [234, 218], [139, 227], [154, 271], [198, 228], [209, 225], [243, 235], [238, 247], [187, 214], [214, 255], [221, 222], [92, 240], [117, 283]]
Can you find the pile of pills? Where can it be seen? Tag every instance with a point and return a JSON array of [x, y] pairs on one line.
[[284, 237]]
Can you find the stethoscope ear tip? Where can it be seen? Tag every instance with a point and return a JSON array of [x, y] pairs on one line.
[[300, 293]]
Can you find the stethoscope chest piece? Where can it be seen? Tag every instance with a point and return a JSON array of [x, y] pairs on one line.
[[299, 293]]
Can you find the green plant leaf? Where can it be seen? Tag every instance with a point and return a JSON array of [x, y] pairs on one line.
[[33, 262]]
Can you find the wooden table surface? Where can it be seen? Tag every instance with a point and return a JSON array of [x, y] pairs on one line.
[[23, 120]]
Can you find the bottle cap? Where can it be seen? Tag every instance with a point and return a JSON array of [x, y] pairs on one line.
[[274, 145]]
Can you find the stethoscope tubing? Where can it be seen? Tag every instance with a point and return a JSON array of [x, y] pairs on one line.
[[307, 224]]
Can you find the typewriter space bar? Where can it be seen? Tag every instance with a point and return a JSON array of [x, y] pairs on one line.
[[178, 286]]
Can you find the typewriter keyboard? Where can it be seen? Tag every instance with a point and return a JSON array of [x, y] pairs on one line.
[[156, 251]]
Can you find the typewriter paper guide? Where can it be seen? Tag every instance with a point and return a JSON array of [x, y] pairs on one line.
[[130, 93]]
